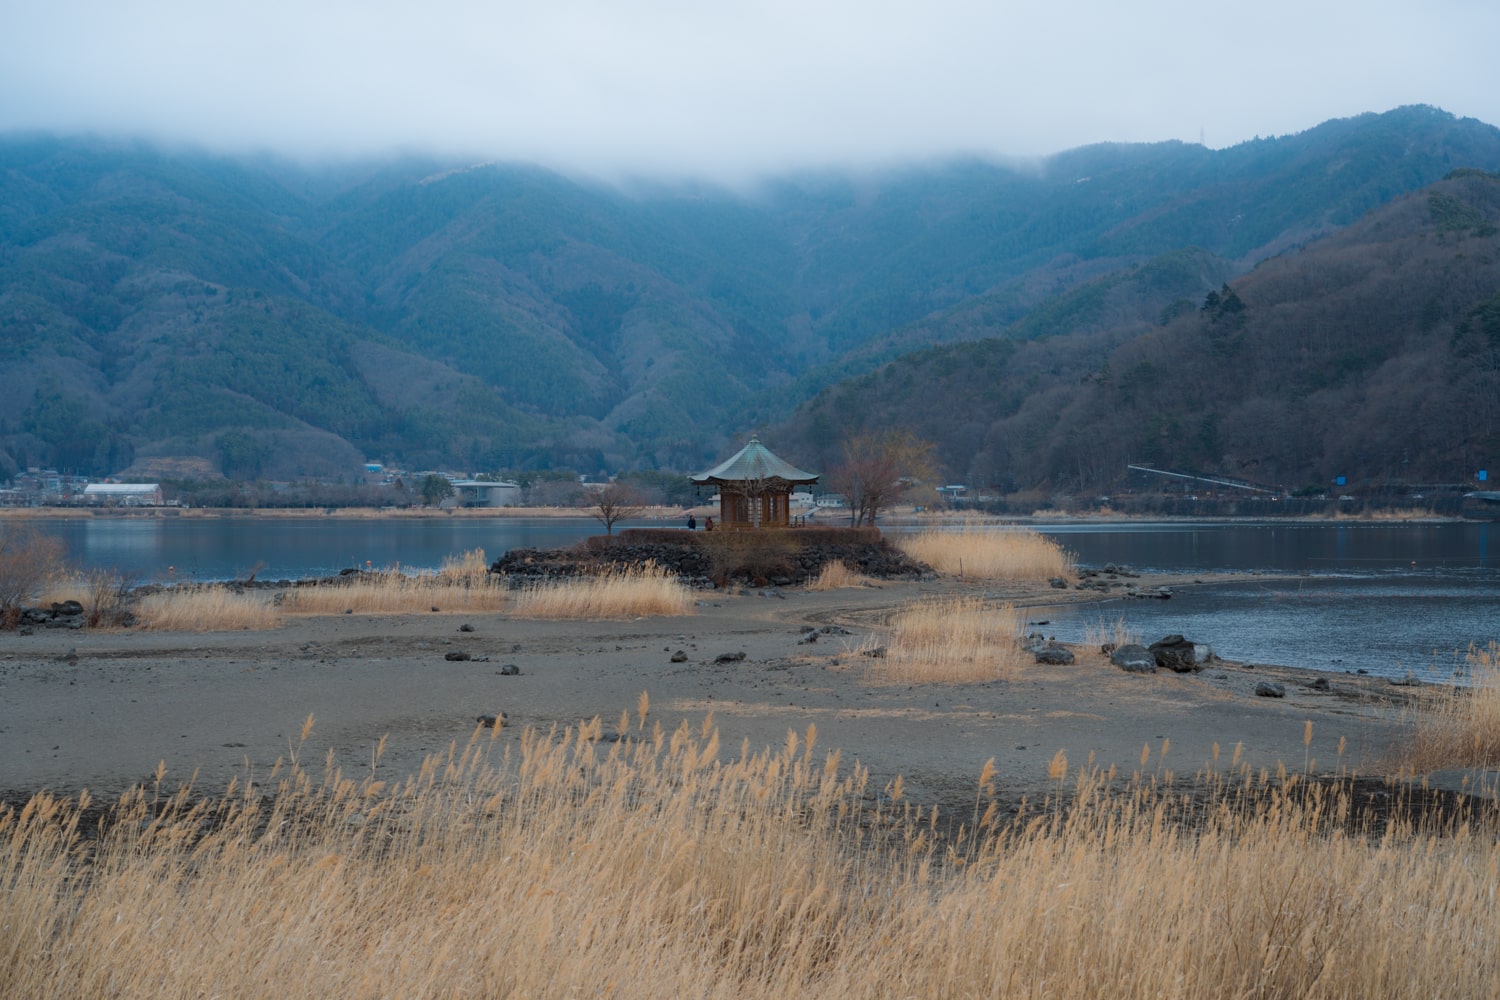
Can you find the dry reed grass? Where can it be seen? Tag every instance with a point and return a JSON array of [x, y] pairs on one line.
[[628, 592], [207, 608], [563, 865], [950, 640], [66, 585], [989, 553], [838, 576], [1392, 514], [1462, 727], [1112, 633], [463, 583]]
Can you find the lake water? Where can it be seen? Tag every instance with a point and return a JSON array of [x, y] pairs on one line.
[[224, 548], [1386, 598]]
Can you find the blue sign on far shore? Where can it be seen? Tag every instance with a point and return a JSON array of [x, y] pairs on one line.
[[1342, 481], [1483, 475]]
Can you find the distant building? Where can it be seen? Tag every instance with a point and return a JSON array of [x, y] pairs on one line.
[[123, 494], [482, 493], [953, 494]]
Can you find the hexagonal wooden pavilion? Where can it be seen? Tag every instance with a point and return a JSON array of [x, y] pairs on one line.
[[755, 488]]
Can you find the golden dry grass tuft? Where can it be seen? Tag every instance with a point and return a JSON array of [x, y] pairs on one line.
[[67, 585], [628, 592], [1461, 728], [208, 608], [950, 640], [557, 864], [989, 553], [1112, 632], [838, 576], [463, 583]]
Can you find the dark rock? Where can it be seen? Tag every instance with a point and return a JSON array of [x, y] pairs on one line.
[[810, 637], [1177, 654], [679, 657], [456, 655], [67, 608], [729, 657], [687, 558], [1133, 658], [1058, 583], [877, 653], [1321, 684], [510, 670], [466, 627], [494, 720], [1035, 642], [1269, 689], [1054, 654]]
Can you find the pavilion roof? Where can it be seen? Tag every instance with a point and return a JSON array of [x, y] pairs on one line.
[[753, 462]]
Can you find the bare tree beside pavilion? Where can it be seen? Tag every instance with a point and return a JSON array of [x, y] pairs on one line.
[[614, 503], [877, 469]]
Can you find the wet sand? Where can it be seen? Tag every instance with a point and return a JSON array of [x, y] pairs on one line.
[[100, 709]]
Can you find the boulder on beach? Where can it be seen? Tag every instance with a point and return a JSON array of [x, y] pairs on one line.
[[1054, 653], [1133, 658], [1177, 654]]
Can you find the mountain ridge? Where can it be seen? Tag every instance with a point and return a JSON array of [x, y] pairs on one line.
[[485, 316]]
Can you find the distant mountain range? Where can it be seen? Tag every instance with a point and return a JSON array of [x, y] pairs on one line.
[[167, 311], [1372, 354]]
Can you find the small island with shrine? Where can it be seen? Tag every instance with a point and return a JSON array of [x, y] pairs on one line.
[[756, 540]]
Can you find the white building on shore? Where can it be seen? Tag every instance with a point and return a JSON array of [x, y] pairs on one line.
[[123, 494]]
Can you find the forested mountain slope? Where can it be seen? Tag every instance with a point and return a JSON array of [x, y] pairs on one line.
[[270, 320], [1373, 353]]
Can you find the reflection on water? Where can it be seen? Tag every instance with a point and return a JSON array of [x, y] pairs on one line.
[[224, 548], [1298, 548]]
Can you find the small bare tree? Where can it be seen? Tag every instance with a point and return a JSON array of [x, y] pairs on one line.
[[612, 504], [28, 559], [877, 469]]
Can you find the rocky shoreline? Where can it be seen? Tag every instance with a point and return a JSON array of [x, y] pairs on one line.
[[709, 560]]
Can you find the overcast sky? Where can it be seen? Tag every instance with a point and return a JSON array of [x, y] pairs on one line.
[[730, 90]]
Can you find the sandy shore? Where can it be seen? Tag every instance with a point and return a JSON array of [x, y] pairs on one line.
[[100, 709]]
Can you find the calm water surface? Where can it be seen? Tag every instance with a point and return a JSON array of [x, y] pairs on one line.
[[1386, 598], [1383, 598], [224, 548]]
